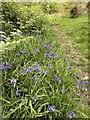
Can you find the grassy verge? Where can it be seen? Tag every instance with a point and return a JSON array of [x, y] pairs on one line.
[[38, 79], [77, 30]]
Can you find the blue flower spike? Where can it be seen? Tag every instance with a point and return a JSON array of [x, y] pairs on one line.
[[72, 115]]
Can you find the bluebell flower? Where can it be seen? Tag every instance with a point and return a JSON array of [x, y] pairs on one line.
[[29, 33], [45, 55], [17, 61], [13, 81], [55, 75], [72, 115], [36, 66], [74, 75], [8, 66], [70, 67], [35, 100], [35, 80], [29, 53], [17, 93], [78, 83], [58, 79], [1, 66], [13, 62], [51, 53], [49, 65], [86, 82], [64, 59], [83, 85], [44, 43], [40, 68], [45, 46], [30, 79], [51, 108], [56, 56], [5, 66], [37, 50], [24, 71], [21, 71], [63, 90], [18, 53], [50, 45], [39, 37], [29, 69], [3, 39]]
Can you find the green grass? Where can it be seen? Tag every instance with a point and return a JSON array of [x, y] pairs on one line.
[[76, 28], [23, 106], [37, 64]]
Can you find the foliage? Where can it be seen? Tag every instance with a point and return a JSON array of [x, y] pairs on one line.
[[77, 30], [28, 19], [50, 8], [74, 12], [38, 79]]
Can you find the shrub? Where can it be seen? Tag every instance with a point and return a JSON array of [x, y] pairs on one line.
[[74, 12], [28, 19], [10, 17], [50, 7]]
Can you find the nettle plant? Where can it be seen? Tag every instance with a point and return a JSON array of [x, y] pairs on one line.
[[38, 80]]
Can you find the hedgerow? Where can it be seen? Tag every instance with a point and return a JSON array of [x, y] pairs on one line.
[[23, 18]]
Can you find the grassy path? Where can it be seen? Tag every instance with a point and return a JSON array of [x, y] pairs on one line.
[[69, 48], [72, 47]]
